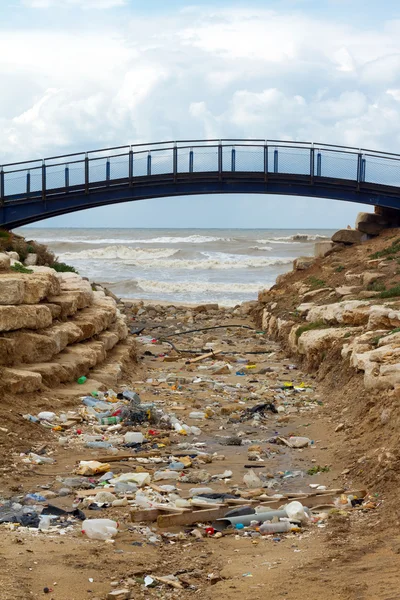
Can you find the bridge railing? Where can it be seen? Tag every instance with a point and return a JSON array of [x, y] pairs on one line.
[[99, 168]]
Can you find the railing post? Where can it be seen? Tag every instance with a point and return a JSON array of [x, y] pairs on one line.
[[149, 164], [86, 174], [28, 183], [43, 180], [265, 161], [2, 186], [191, 160], [276, 161], [220, 166], [319, 164], [312, 165], [359, 169], [233, 160], [130, 167], [66, 178], [108, 171], [363, 169], [175, 161]]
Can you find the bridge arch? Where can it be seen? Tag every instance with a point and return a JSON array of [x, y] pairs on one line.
[[39, 189]]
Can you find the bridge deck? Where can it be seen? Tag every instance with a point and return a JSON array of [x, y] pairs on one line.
[[35, 190]]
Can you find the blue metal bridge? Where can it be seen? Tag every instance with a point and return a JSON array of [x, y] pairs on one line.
[[38, 189]]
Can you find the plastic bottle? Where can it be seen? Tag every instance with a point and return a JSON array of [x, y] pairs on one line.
[[195, 431], [47, 416], [98, 445], [281, 527], [125, 487], [166, 475], [134, 437], [197, 415], [44, 522], [81, 380], [111, 420], [100, 529]]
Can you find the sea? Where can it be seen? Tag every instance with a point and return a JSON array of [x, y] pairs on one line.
[[227, 266]]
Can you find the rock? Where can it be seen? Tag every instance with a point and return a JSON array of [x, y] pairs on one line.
[[13, 256], [204, 308], [31, 260], [371, 223], [11, 290], [353, 278], [314, 343], [340, 427], [347, 236], [348, 312], [5, 262], [321, 248], [346, 290], [371, 276], [24, 317], [314, 293], [302, 263], [119, 595]]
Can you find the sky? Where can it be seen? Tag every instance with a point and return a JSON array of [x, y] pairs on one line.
[[83, 74]]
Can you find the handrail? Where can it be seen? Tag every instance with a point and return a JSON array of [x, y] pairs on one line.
[[205, 143]]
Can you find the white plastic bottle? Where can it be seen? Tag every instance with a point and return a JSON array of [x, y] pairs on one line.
[[281, 527], [100, 529]]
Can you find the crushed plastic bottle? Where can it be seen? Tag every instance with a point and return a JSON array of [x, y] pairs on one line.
[[100, 529]]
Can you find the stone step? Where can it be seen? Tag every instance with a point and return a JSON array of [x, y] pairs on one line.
[[33, 316], [20, 381], [23, 288]]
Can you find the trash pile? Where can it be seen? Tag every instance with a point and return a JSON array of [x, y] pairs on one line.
[[210, 443]]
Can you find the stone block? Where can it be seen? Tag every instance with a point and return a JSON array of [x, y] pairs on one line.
[[31, 260], [302, 263], [24, 317], [12, 290], [347, 236], [371, 276], [371, 223], [7, 351], [19, 381], [322, 248], [5, 262]]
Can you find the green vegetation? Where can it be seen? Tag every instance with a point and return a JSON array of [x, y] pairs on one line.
[[339, 269], [318, 469], [19, 268], [388, 252], [310, 327], [61, 267], [391, 292], [347, 335], [4, 234], [396, 330], [316, 283], [376, 286]]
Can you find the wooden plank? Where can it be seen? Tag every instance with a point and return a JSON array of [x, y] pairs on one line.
[[116, 457], [151, 514], [210, 354], [189, 518]]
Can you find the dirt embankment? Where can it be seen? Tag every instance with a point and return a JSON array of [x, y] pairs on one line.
[[340, 318]]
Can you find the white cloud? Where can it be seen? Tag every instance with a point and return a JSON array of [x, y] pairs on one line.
[[84, 4], [198, 73]]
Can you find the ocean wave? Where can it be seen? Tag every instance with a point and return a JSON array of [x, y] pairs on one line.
[[121, 253], [297, 237], [191, 239], [263, 248], [173, 259], [184, 287]]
